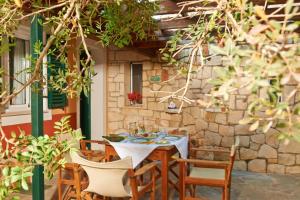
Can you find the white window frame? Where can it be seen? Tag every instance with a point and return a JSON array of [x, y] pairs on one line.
[[22, 33], [21, 114], [131, 76]]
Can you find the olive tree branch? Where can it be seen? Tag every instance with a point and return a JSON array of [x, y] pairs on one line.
[[43, 10], [39, 61], [89, 57]]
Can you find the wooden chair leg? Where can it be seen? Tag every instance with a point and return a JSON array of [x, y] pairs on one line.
[[181, 182], [59, 185], [77, 184], [67, 192], [174, 185], [193, 190], [86, 196], [225, 193], [141, 178], [228, 193], [229, 190], [153, 184], [174, 173]]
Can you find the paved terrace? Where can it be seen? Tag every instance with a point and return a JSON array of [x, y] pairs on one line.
[[245, 186]]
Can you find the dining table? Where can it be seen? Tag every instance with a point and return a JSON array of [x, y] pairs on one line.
[[158, 148]]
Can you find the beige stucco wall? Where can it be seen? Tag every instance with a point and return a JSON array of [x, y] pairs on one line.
[[210, 127]]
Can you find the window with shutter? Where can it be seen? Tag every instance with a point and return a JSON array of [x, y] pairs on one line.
[[55, 98]]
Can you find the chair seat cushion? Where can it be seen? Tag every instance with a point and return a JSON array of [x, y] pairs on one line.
[[128, 189], [207, 173]]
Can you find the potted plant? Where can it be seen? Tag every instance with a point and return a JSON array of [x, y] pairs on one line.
[[134, 98]]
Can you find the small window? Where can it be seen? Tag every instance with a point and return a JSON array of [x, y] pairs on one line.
[[15, 64], [18, 63], [136, 80]]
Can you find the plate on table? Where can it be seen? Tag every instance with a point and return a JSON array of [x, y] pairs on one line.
[[147, 136], [114, 138], [140, 140], [172, 137], [124, 134], [162, 142]]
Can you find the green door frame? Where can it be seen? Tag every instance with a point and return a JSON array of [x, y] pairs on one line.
[[37, 118], [85, 109], [85, 115]]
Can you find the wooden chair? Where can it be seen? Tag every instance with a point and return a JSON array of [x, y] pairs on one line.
[[206, 173], [109, 179], [174, 164], [90, 154], [72, 176]]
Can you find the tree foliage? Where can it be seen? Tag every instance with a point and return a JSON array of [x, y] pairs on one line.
[[66, 22], [260, 54], [22, 152], [113, 22]]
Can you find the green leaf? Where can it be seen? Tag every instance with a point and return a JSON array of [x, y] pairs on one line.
[[13, 134], [292, 27], [281, 136], [281, 125], [24, 184], [267, 126], [5, 171], [296, 136], [254, 126], [288, 6], [27, 174], [15, 178], [261, 13], [217, 50], [245, 121], [297, 110]]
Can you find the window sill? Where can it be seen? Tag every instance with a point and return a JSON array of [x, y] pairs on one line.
[[134, 106], [172, 111], [21, 117]]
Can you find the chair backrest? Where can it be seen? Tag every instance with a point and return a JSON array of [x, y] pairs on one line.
[[232, 155], [106, 179], [68, 137]]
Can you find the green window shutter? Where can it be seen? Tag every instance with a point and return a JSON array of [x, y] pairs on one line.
[[55, 98]]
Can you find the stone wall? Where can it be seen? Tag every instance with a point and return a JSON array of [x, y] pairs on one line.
[[210, 127], [150, 112]]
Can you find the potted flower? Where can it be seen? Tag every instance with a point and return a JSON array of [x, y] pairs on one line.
[[134, 97]]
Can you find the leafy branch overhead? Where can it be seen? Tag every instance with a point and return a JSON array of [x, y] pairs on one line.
[[117, 23], [260, 52], [22, 152]]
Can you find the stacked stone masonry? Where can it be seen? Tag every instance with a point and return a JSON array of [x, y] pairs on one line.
[[258, 152]]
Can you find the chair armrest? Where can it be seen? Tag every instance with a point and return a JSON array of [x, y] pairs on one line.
[[219, 150], [92, 141], [83, 143], [206, 163], [145, 169], [89, 154], [71, 166]]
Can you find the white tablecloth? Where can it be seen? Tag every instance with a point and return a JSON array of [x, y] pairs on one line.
[[139, 152]]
